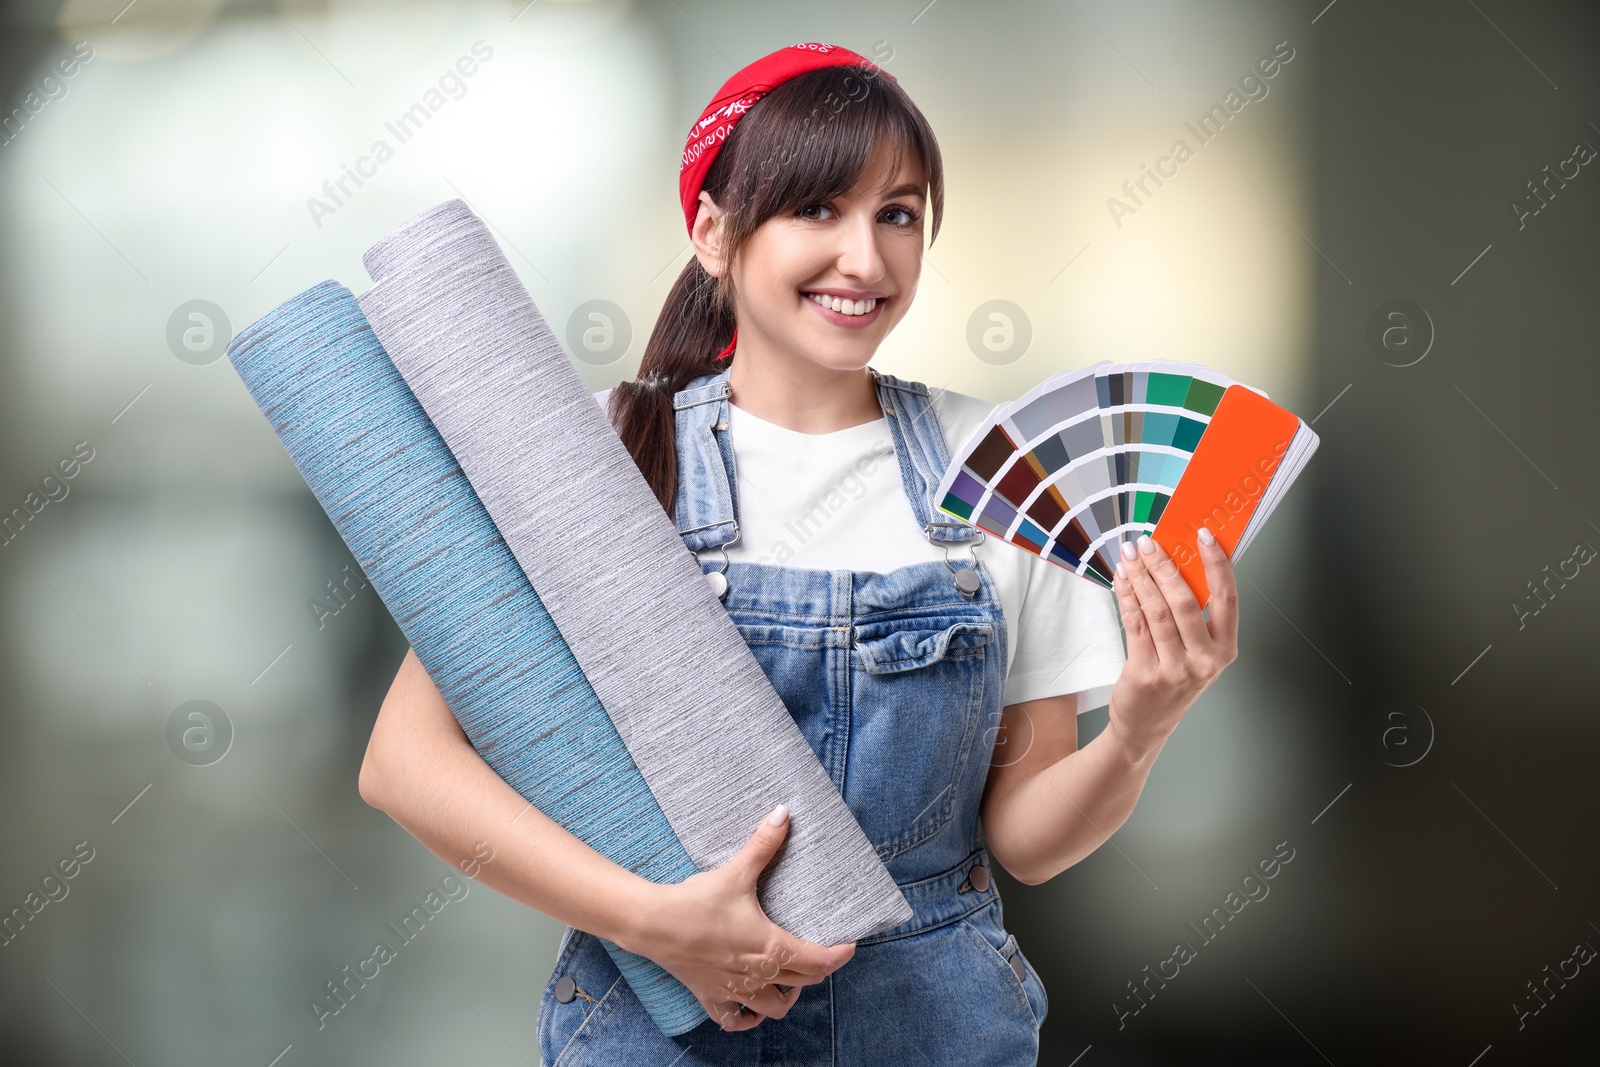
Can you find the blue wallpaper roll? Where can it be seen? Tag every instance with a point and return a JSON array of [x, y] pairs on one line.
[[400, 501]]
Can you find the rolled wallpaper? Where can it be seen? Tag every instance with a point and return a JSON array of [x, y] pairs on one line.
[[399, 499]]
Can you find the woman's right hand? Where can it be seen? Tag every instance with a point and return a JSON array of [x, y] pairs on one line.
[[709, 932]]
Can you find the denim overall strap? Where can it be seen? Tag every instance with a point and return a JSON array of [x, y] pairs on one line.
[[709, 519], [919, 444], [707, 500]]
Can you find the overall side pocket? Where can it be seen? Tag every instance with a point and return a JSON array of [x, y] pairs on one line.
[[1013, 968]]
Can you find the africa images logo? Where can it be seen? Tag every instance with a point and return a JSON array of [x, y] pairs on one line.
[[1252, 86], [405, 126]]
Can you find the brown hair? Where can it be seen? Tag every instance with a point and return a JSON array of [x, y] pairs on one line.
[[805, 142]]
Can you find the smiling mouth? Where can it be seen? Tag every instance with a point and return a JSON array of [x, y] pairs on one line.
[[842, 306], [844, 312]]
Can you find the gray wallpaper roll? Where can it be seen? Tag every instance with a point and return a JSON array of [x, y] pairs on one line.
[[702, 722]]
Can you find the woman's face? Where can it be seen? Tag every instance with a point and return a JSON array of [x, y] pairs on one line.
[[827, 284]]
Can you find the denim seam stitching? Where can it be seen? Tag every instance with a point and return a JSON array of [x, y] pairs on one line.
[[1010, 976], [966, 653], [598, 1015], [547, 1001], [973, 712], [977, 855], [878, 615], [881, 938], [833, 1026]]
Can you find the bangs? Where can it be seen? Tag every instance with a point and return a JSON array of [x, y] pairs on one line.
[[810, 140]]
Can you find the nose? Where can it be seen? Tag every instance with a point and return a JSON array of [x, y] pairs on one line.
[[859, 255]]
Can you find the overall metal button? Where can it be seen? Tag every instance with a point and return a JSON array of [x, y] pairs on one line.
[[566, 988], [979, 877], [1017, 969]]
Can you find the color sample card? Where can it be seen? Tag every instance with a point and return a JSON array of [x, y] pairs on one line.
[[1095, 457]]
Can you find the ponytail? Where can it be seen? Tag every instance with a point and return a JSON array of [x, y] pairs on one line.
[[696, 322]]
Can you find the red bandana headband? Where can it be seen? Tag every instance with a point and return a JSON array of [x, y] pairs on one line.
[[737, 95]]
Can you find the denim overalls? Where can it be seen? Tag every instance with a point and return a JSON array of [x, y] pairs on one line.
[[896, 681]]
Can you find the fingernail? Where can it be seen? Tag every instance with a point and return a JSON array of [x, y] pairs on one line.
[[779, 813], [1122, 571], [1127, 550], [1146, 545], [1205, 537]]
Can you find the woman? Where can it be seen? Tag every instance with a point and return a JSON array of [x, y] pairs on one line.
[[938, 685]]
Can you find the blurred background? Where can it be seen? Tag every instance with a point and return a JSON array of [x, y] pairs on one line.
[[1393, 235]]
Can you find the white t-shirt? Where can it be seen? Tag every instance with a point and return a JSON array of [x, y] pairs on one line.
[[836, 501]]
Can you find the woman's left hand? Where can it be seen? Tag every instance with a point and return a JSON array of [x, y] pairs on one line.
[[1174, 653]]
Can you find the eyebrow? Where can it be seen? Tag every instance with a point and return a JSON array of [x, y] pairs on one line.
[[905, 189]]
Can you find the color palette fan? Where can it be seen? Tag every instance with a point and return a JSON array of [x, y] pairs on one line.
[[1095, 457]]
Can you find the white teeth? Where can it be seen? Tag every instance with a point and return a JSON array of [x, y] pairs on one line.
[[845, 307]]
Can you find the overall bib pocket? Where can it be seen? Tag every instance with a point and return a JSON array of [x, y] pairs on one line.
[[917, 698]]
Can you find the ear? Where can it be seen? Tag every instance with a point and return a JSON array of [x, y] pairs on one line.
[[706, 235]]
